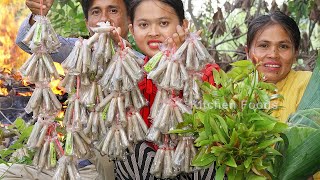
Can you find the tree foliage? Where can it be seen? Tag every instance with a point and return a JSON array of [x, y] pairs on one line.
[[224, 27]]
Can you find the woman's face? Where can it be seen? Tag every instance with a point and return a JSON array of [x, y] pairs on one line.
[[274, 53], [153, 23]]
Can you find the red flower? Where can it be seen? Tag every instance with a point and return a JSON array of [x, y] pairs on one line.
[[207, 73]]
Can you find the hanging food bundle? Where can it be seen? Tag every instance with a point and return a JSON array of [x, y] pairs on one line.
[[43, 100], [123, 72], [48, 155], [177, 74], [66, 169], [193, 53], [43, 139], [42, 36], [39, 68], [183, 155], [169, 115], [192, 94], [104, 77], [115, 143], [162, 165]]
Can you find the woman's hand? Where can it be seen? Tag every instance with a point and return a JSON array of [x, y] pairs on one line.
[[179, 37]]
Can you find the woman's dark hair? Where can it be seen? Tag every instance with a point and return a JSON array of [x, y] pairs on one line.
[[86, 4], [177, 5], [275, 17]]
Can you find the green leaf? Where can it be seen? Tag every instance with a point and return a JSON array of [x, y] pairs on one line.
[[268, 143], [252, 176], [216, 75], [217, 130], [61, 12], [217, 150], [231, 174], [4, 162], [223, 124], [307, 117], [267, 86], [242, 63], [202, 159], [207, 126], [20, 124], [230, 123], [233, 138], [264, 98], [248, 162], [26, 133], [301, 160], [272, 151], [181, 131], [224, 78], [280, 127], [220, 172], [16, 145], [231, 162], [6, 152]]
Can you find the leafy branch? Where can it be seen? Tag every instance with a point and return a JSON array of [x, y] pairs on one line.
[[233, 130]]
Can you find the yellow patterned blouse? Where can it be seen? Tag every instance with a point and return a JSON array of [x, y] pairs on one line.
[[292, 89]]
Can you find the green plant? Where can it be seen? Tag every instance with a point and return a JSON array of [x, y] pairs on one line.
[[234, 129], [68, 19], [22, 132]]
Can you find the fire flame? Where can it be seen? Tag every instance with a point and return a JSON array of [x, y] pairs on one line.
[[12, 13]]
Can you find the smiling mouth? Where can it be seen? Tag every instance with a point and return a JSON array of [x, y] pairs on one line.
[[154, 45], [272, 65]]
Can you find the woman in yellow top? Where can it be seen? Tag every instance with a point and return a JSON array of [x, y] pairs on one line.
[[273, 44]]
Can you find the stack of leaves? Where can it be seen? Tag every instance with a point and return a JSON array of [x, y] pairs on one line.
[[301, 144], [234, 129], [300, 148]]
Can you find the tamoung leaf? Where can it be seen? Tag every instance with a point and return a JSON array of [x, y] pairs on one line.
[[26, 133], [233, 138], [222, 123], [203, 159], [267, 86], [242, 63], [268, 143], [220, 171], [217, 130], [217, 150], [181, 131], [231, 162], [207, 126], [272, 151], [255, 177], [248, 162], [231, 173], [20, 124], [216, 75]]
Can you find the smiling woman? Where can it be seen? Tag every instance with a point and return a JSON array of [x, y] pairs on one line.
[[273, 44], [153, 22]]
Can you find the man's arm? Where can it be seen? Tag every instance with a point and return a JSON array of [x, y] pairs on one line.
[[66, 43]]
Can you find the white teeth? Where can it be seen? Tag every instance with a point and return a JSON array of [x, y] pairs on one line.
[[272, 65], [153, 44]]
